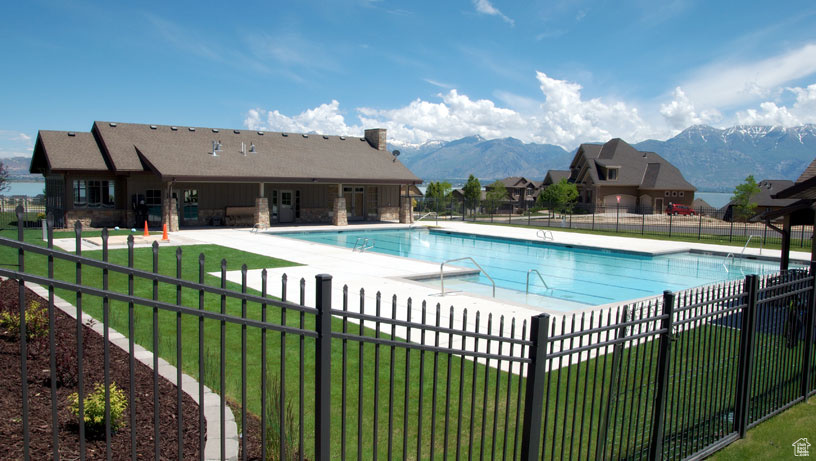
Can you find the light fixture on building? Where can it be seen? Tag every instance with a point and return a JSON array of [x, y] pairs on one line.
[[395, 153]]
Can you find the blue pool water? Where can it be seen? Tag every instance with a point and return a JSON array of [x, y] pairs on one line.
[[575, 275]]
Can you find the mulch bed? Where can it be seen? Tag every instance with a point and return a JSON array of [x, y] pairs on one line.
[[11, 431]]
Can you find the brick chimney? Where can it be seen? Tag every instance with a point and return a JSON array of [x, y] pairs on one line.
[[376, 137]]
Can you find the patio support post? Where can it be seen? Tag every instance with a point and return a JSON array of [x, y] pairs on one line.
[[339, 215], [170, 209], [405, 214]]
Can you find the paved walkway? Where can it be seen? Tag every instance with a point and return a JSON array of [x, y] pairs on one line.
[[387, 274]]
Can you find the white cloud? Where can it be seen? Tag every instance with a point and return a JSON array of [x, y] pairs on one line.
[[485, 7], [680, 112], [563, 117], [325, 118], [15, 144], [802, 111], [730, 84]]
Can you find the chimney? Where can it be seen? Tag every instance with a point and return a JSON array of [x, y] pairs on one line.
[[376, 137]]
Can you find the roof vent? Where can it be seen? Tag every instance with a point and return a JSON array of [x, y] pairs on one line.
[[192, 128], [284, 135], [342, 138], [112, 124], [174, 128], [153, 127], [216, 148], [71, 133], [325, 137], [260, 133], [305, 135], [236, 131], [252, 148], [215, 130]]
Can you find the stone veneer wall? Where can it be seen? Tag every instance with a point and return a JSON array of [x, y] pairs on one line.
[[340, 217], [94, 217], [314, 215], [261, 212], [388, 213]]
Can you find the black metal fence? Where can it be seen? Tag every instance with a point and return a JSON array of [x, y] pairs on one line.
[[33, 211], [672, 377], [705, 224]]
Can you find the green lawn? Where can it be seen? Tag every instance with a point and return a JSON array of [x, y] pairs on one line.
[[773, 439]]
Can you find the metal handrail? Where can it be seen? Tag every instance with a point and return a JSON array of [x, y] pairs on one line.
[[420, 219], [742, 253], [539, 276], [357, 242], [364, 246], [731, 255], [442, 273], [542, 234]]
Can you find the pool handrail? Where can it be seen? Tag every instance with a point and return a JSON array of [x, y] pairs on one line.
[[539, 276], [442, 273], [742, 253], [542, 234], [420, 219]]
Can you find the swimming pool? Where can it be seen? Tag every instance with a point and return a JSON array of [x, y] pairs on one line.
[[575, 276]]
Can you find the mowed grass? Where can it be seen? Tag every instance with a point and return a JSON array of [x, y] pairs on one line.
[[477, 409]]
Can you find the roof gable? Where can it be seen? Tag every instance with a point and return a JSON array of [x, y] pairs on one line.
[[66, 150]]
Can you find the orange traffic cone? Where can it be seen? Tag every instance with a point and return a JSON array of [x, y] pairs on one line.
[[164, 234], [146, 233]]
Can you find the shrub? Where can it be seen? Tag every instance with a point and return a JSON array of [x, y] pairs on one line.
[[40, 216], [36, 322], [95, 408]]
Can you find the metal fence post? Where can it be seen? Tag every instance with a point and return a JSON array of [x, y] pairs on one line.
[[746, 357], [323, 367], [23, 345], [671, 216], [534, 393], [807, 359], [656, 447]]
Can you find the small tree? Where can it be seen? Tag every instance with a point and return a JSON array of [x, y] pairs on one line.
[[741, 202], [4, 184], [472, 192], [438, 191], [561, 196], [495, 194]]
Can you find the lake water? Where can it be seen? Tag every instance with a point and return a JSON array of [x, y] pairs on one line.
[[30, 189], [715, 199]]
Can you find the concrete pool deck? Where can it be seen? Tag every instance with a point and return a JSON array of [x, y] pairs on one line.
[[375, 272]]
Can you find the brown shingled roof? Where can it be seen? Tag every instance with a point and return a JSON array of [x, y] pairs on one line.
[[66, 150], [185, 153]]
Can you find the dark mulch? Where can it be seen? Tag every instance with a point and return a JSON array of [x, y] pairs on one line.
[[11, 432]]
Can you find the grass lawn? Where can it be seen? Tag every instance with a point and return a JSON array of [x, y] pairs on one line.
[[773, 439]]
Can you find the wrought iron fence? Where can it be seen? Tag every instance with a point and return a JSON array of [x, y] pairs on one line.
[[672, 377], [33, 211], [704, 224]]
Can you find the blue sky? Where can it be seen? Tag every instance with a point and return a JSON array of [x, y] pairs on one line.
[[560, 72]]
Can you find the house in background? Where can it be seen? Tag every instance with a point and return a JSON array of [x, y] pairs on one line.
[[124, 173], [554, 177], [764, 198], [521, 193], [616, 173]]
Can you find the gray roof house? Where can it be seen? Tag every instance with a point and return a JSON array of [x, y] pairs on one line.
[[765, 199], [617, 174], [125, 173]]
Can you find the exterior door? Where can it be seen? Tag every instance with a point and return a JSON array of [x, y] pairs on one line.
[[658, 205], [355, 205], [286, 211], [189, 212]]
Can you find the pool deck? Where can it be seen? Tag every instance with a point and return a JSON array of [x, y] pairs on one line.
[[389, 275]]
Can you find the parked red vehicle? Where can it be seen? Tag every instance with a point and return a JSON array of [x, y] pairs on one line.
[[682, 210]]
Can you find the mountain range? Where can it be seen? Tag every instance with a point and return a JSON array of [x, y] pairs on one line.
[[710, 158]]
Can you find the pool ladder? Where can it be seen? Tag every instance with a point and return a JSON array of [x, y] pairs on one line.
[[731, 255], [545, 234], [362, 245], [442, 273], [540, 278]]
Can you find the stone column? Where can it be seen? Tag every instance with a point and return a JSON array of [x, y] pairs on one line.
[[262, 212], [406, 215], [340, 217], [170, 214]]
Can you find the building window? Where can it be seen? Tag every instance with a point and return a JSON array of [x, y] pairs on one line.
[[612, 174], [274, 204], [94, 193], [153, 197], [680, 194], [674, 193], [371, 201], [297, 203], [667, 193]]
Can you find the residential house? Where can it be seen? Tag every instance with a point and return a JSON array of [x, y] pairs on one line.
[[617, 174], [124, 173], [764, 198], [521, 193]]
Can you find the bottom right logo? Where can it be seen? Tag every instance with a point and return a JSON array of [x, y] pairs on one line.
[[801, 447]]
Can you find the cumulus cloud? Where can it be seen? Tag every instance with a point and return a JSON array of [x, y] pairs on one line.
[[680, 112], [485, 7], [561, 117], [15, 144], [802, 111], [325, 118]]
